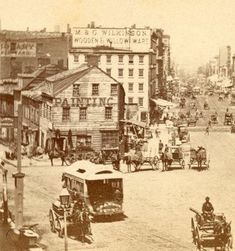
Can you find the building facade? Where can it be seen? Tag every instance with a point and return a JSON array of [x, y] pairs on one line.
[[126, 54], [225, 62]]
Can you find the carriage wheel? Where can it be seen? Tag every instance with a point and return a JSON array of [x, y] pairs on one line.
[[193, 231], [198, 240], [52, 221]]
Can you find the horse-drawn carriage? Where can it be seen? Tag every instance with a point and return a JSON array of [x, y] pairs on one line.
[[199, 158], [192, 120], [211, 233], [183, 133], [228, 118], [173, 158], [143, 155], [77, 218]]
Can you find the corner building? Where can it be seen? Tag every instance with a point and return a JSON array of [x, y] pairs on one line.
[[127, 54]]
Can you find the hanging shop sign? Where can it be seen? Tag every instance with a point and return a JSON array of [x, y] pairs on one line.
[[8, 122]]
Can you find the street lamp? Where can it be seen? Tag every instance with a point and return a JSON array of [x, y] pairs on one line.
[[64, 200]]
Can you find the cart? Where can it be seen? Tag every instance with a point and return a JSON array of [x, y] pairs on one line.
[[173, 158], [214, 119], [228, 119], [192, 121], [215, 233]]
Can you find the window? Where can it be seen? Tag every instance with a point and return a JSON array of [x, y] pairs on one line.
[[141, 72], [141, 101], [120, 72], [130, 100], [120, 59], [114, 90], [76, 88], [13, 47], [66, 114], [83, 113], [141, 59], [131, 59], [95, 89], [76, 58], [39, 47], [130, 87], [83, 140], [108, 59], [108, 112], [141, 87], [131, 72], [108, 70], [110, 139], [85, 59]]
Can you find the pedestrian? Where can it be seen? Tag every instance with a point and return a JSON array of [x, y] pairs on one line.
[[160, 147], [207, 130], [209, 123], [166, 148]]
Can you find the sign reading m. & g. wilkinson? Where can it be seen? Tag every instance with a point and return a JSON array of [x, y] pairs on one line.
[[132, 38]]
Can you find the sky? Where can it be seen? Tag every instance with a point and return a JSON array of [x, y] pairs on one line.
[[197, 27]]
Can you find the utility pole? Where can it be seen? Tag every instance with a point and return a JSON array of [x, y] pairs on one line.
[[19, 176]]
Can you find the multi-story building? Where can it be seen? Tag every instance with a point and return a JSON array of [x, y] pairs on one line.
[[225, 62], [166, 55], [25, 51], [126, 54]]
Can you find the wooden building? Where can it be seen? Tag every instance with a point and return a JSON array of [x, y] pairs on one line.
[[89, 103]]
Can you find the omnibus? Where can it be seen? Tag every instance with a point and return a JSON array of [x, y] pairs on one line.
[[99, 186]]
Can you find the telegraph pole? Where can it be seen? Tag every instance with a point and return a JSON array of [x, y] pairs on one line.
[[19, 176]]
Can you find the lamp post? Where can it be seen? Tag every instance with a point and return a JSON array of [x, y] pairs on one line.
[[64, 200]]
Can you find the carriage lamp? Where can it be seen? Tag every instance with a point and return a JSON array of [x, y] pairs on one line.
[[64, 197]]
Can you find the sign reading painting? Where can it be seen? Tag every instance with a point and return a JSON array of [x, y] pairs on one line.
[[85, 101], [17, 49], [125, 38]]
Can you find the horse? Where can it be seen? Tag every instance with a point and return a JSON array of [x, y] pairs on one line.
[[133, 159], [82, 220], [223, 235], [166, 159], [54, 154], [201, 157]]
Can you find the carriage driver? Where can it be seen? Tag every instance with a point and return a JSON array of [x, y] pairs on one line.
[[207, 209]]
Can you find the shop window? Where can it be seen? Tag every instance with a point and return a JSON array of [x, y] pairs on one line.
[[76, 58], [114, 90], [120, 58], [76, 89], [131, 72], [108, 59], [131, 59], [141, 59], [141, 87], [83, 140], [130, 87], [95, 89], [108, 112], [83, 113], [143, 116], [110, 139], [66, 114], [86, 59], [108, 70], [141, 101], [141, 72]]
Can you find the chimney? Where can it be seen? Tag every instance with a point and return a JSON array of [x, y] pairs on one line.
[[92, 24], [93, 59]]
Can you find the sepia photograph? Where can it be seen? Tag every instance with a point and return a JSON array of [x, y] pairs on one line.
[[116, 125]]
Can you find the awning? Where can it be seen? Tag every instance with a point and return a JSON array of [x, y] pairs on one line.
[[138, 123], [164, 103]]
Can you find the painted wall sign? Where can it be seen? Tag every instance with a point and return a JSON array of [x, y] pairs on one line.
[[17, 49], [135, 39], [8, 122], [84, 101]]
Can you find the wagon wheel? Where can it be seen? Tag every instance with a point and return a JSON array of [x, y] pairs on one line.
[[155, 163], [193, 231], [198, 240], [52, 221]]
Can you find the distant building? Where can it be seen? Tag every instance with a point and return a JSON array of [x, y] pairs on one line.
[[25, 51], [225, 61]]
